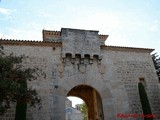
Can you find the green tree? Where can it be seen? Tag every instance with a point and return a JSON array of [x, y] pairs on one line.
[[84, 110], [144, 101], [13, 84], [156, 61]]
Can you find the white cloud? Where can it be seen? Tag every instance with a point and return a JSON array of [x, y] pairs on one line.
[[75, 101], [31, 31], [6, 11], [1, 35], [25, 34], [5, 36], [98, 21]]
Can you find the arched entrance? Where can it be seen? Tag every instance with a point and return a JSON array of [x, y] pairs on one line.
[[92, 100]]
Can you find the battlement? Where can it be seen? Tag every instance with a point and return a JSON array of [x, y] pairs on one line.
[[103, 37], [51, 35]]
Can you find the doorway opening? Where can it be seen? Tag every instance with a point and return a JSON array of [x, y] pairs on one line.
[[92, 99], [75, 109]]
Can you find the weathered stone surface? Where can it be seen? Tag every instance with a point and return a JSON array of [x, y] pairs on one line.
[[113, 72]]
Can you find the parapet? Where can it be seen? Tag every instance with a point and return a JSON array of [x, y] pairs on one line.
[[103, 38], [55, 36], [51, 36]]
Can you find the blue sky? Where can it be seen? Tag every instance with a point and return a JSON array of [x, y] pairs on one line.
[[134, 23]]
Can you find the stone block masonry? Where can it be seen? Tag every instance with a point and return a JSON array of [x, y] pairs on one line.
[[73, 57]]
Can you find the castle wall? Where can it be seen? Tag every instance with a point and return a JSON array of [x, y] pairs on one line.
[[46, 59], [117, 82], [123, 70], [114, 74]]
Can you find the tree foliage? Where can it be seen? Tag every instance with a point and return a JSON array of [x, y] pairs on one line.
[[13, 82], [144, 101], [156, 61], [84, 110]]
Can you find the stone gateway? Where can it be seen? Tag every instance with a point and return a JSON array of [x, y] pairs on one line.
[[78, 63]]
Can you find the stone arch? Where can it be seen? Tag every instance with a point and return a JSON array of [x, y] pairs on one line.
[[92, 99], [101, 86]]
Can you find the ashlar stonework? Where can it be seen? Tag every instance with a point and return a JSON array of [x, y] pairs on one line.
[[78, 63]]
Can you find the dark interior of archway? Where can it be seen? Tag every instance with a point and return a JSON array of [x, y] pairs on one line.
[[92, 100]]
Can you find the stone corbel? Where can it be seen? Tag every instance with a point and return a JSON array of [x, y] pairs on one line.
[[82, 68], [72, 60], [82, 60], [63, 58], [91, 59], [99, 59]]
